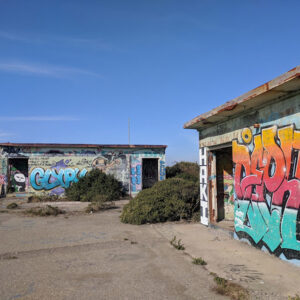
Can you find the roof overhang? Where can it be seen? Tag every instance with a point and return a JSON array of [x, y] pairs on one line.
[[281, 86]]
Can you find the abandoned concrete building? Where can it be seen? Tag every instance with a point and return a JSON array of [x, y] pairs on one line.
[[50, 168], [249, 155]]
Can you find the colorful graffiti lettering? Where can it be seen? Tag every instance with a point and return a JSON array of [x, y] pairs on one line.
[[267, 187], [51, 178], [136, 175], [162, 170], [203, 186]]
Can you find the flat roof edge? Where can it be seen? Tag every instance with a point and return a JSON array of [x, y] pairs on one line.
[[51, 145], [230, 105]]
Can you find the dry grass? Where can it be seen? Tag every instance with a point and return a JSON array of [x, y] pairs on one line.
[[12, 205], [45, 211], [45, 198], [296, 297], [8, 256], [98, 206], [230, 289]]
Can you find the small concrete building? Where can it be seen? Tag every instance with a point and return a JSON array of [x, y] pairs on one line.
[[249, 155], [50, 168]]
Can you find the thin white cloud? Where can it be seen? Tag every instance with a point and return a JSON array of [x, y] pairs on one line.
[[96, 43], [85, 42], [39, 118], [12, 37], [4, 134], [23, 68]]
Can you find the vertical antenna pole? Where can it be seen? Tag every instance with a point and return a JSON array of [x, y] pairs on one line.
[[128, 131]]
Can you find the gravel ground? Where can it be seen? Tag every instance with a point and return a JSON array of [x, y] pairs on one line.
[[93, 256]]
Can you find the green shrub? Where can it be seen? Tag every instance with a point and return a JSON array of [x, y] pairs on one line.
[[95, 184], [168, 200], [185, 170]]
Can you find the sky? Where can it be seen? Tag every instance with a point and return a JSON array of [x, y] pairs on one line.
[[74, 71]]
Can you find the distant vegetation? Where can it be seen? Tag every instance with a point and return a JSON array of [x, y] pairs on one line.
[[185, 170], [173, 199]]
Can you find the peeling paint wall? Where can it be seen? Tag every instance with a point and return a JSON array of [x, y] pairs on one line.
[[266, 159], [52, 170]]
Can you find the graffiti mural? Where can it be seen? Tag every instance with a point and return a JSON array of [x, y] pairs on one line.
[[162, 170], [41, 179], [18, 180], [114, 163], [136, 175], [56, 177], [203, 186], [267, 188]]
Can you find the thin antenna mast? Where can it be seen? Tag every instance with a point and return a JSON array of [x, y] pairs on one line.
[[128, 131]]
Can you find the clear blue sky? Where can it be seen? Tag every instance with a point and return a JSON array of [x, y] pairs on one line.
[[74, 71]]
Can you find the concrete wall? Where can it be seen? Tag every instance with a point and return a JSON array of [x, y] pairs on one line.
[[266, 161], [51, 170]]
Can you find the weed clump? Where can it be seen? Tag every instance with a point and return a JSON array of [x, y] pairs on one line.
[[177, 244], [12, 205], [95, 184], [230, 289], [199, 261], [45, 211], [169, 200]]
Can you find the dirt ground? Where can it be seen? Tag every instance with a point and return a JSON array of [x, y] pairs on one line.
[[95, 256]]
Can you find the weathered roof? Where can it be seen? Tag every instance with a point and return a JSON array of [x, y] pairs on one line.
[[280, 86], [50, 145]]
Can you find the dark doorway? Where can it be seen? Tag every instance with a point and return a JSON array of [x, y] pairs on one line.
[[149, 172], [17, 174], [225, 189]]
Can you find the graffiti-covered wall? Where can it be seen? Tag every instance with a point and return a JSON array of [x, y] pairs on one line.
[[51, 170], [267, 188], [266, 174]]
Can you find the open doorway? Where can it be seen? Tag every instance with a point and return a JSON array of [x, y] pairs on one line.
[[149, 172], [17, 175], [224, 184]]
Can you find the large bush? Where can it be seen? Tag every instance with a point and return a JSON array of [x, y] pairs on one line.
[[168, 200], [94, 184], [185, 170]]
